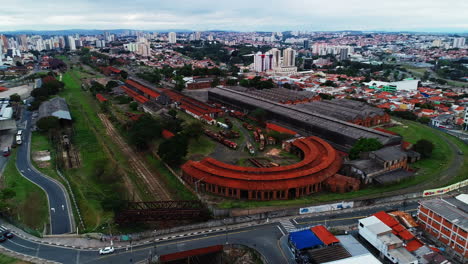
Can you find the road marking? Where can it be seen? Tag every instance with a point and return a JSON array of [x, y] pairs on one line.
[[282, 252], [20, 245], [37, 250], [288, 226], [78, 257], [281, 230], [181, 242]]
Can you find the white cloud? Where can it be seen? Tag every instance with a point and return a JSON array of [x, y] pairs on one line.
[[243, 15]]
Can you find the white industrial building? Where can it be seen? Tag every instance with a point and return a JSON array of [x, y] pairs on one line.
[[381, 237], [406, 85], [366, 258]]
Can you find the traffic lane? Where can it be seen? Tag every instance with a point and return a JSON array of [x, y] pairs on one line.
[[263, 239], [340, 220], [54, 253], [60, 218], [59, 215]]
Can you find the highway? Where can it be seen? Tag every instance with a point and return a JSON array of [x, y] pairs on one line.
[[263, 238], [60, 215]]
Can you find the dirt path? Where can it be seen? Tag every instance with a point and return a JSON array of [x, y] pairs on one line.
[[151, 179]]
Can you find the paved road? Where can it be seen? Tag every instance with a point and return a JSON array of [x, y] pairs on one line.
[[350, 218], [60, 216], [263, 238]]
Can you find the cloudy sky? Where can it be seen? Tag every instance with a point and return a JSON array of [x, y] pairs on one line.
[[240, 15]]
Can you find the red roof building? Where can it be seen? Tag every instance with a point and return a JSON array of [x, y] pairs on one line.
[[167, 134], [101, 98], [320, 161], [280, 129], [324, 235]]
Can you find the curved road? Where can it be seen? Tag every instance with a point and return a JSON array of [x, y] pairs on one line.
[[263, 238], [60, 215]]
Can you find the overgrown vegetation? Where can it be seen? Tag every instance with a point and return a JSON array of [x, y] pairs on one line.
[[22, 200], [364, 145]]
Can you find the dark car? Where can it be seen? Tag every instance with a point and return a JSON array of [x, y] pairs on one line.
[[7, 234], [2, 238]]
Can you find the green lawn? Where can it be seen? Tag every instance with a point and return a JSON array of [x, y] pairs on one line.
[[91, 140], [40, 142], [463, 172], [31, 205], [201, 146], [174, 185], [431, 167], [4, 259]]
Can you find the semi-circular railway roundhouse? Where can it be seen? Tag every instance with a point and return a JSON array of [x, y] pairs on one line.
[[320, 161]]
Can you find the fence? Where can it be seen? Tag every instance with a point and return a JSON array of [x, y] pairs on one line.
[[72, 195]]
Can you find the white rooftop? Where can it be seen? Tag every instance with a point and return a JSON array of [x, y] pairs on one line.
[[366, 258], [463, 198]]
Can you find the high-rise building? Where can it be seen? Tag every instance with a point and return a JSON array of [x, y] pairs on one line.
[[289, 57], [70, 43], [459, 42], [197, 35], [172, 37], [263, 62], [23, 41], [306, 44], [437, 43], [276, 62], [5, 43], [343, 54]]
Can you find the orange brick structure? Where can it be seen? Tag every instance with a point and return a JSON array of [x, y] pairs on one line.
[[447, 220], [320, 161]]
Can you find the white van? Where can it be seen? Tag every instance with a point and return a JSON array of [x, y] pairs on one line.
[[19, 140]]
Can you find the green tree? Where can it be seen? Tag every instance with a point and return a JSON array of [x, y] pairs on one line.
[[287, 86], [173, 150], [260, 114], [364, 145], [172, 112], [15, 97], [143, 131], [133, 106], [424, 147], [215, 82], [124, 74], [47, 123], [424, 120], [193, 129], [111, 84]]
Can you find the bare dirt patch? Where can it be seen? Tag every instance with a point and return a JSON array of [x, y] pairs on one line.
[[41, 158]]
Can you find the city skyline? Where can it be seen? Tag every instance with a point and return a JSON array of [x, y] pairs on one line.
[[335, 15]]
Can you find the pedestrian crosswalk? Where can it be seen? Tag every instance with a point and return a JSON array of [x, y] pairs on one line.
[[2, 228], [287, 225]]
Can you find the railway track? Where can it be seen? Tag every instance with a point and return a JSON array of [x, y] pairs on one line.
[[152, 179]]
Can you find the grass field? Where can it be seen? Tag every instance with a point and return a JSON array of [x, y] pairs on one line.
[[429, 169], [31, 205], [463, 172], [40, 142], [4, 259], [86, 125], [174, 185]]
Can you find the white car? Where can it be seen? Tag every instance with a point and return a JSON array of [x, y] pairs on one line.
[[106, 250], [19, 133]]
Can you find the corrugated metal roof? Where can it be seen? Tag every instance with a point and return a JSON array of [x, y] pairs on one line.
[[451, 209]]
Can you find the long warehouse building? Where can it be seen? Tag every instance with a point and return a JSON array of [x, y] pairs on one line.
[[340, 133]]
